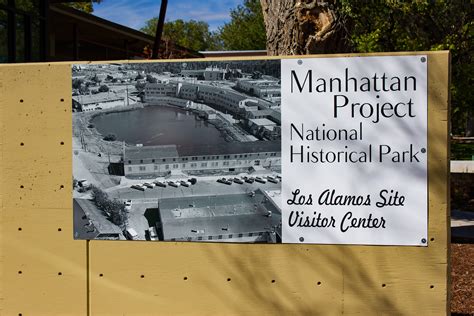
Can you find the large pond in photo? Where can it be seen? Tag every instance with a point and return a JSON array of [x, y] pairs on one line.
[[158, 125]]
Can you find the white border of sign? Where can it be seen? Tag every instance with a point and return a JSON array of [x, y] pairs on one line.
[[354, 150]]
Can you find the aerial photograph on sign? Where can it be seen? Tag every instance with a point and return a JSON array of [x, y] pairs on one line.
[[177, 151]]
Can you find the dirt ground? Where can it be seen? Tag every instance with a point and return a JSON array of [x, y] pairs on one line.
[[462, 279]]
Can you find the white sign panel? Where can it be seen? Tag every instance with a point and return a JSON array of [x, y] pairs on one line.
[[354, 150]]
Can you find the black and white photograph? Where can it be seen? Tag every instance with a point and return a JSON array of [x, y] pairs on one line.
[[177, 151]]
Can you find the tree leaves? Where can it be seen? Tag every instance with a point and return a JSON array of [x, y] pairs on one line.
[[190, 34], [85, 6], [382, 26], [113, 209], [245, 31]]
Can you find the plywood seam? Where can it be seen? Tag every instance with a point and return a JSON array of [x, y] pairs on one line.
[[2, 102], [88, 281]]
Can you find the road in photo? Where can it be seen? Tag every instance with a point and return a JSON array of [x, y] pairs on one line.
[[177, 151]]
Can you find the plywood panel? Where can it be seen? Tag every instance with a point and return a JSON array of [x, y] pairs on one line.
[[194, 279], [372, 280], [44, 271], [140, 278]]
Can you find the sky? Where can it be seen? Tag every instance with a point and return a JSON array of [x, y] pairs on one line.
[[134, 13]]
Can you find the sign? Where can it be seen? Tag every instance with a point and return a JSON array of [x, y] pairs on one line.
[[354, 150], [314, 150]]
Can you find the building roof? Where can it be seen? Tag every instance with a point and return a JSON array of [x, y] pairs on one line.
[[192, 71], [196, 216], [213, 69], [230, 53], [169, 151], [260, 112], [101, 39], [262, 122], [213, 226], [161, 84], [261, 82], [97, 98], [150, 152], [229, 148]]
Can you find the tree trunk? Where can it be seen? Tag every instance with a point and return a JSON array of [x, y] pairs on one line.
[[298, 27]]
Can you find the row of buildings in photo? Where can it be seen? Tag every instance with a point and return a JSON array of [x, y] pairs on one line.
[[254, 103], [261, 114], [203, 159]]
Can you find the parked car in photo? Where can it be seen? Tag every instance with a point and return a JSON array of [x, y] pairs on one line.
[[260, 180], [149, 185], [174, 184], [130, 234], [249, 179], [160, 184], [224, 180], [128, 205], [272, 179], [184, 183], [138, 187], [237, 180]]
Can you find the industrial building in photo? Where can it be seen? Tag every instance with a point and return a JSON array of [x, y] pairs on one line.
[[218, 95], [210, 73], [252, 217], [263, 88], [99, 101], [202, 159], [261, 117]]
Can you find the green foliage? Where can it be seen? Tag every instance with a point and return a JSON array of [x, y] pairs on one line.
[[380, 26], [85, 6], [77, 83], [150, 79], [150, 26], [110, 137], [80, 85], [103, 88], [96, 79], [140, 86], [115, 210], [246, 29], [462, 151], [191, 34]]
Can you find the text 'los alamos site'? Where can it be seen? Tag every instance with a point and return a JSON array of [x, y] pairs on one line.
[[354, 150]]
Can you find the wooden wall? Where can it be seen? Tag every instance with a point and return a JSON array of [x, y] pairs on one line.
[[45, 272]]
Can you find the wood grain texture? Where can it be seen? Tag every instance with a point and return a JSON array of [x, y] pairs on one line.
[[143, 278], [43, 269]]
